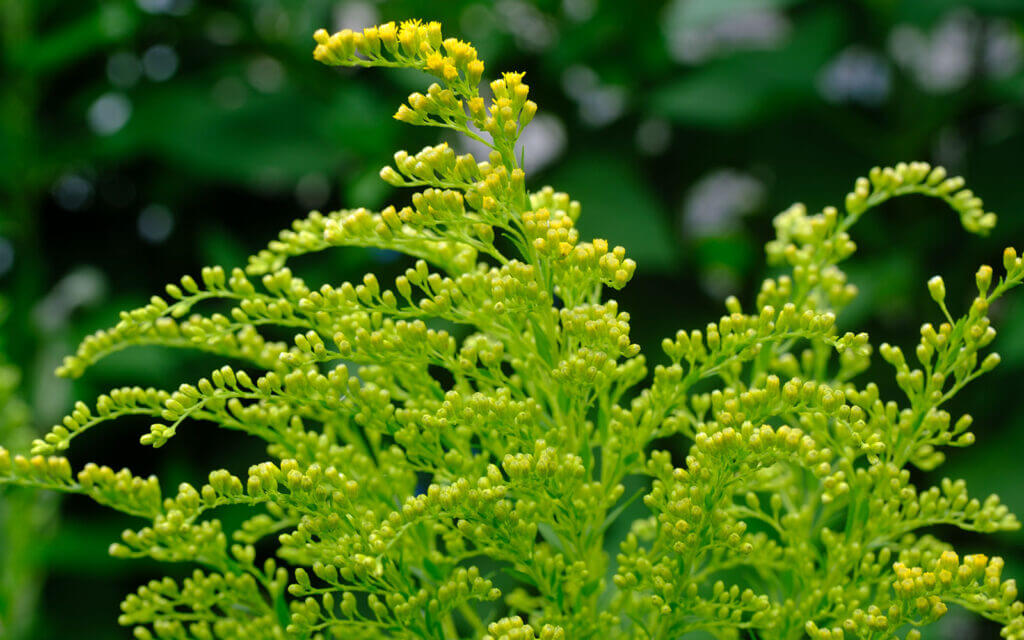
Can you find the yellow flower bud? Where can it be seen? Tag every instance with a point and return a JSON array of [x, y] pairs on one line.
[[937, 289]]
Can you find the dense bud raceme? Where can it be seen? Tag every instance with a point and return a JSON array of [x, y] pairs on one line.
[[448, 454]]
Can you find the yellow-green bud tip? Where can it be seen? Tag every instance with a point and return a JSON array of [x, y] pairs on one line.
[[937, 289]]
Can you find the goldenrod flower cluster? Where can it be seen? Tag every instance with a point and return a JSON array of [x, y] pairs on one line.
[[448, 454]]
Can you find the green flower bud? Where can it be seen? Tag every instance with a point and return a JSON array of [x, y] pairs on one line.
[[937, 289]]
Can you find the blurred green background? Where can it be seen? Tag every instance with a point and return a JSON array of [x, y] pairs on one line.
[[142, 139]]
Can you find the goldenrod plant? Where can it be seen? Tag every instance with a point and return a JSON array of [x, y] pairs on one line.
[[446, 456]]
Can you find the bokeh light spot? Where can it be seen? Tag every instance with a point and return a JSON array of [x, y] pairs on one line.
[[109, 113], [160, 62], [155, 224]]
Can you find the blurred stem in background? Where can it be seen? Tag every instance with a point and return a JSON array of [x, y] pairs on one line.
[[24, 515], [25, 518], [22, 172]]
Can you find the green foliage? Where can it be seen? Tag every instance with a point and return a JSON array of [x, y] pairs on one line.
[[447, 457], [23, 514]]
